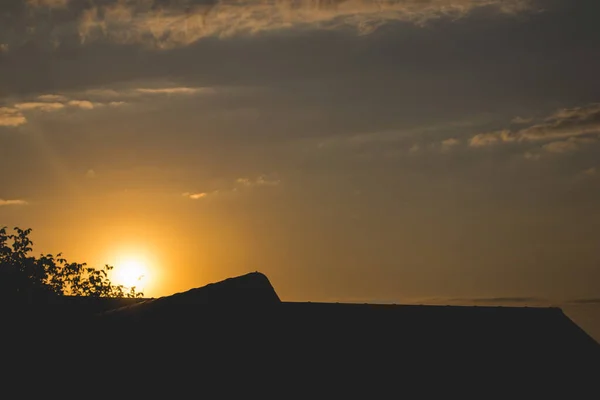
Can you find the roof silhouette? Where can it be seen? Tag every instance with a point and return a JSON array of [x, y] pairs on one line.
[[240, 329]]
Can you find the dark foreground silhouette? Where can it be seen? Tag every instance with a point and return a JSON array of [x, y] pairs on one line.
[[237, 338]]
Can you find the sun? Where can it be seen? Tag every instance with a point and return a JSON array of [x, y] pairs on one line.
[[131, 272], [135, 265]]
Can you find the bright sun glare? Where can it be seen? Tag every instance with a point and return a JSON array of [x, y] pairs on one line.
[[131, 272]]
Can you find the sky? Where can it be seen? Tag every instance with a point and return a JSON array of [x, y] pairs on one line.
[[351, 150]]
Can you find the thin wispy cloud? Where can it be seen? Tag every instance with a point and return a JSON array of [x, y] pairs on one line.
[[173, 90], [238, 186], [4, 202], [591, 171], [119, 95], [414, 148], [52, 98], [490, 138], [85, 104], [448, 144], [15, 114], [244, 181], [569, 145], [563, 146], [521, 120], [260, 181], [106, 93], [565, 130], [48, 107], [407, 136], [11, 117], [565, 123], [195, 196]]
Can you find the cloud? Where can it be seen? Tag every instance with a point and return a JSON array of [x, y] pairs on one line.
[[41, 106], [490, 138], [13, 202], [102, 93], [260, 181], [173, 90], [565, 146], [590, 171], [52, 98], [244, 181], [11, 117], [565, 123], [90, 174], [562, 146], [4, 47], [117, 96], [173, 24], [85, 104], [573, 125], [521, 120], [408, 138], [195, 196], [449, 143]]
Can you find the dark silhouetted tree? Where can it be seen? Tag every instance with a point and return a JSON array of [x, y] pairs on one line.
[[27, 278]]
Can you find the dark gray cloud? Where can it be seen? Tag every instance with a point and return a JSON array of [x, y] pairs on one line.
[[423, 68], [168, 24]]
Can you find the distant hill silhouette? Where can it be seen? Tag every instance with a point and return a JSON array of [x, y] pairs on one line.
[[239, 332]]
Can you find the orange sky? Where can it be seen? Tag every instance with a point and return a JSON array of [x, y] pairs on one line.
[[351, 151]]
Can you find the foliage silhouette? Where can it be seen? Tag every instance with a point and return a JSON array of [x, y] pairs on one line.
[[25, 278]]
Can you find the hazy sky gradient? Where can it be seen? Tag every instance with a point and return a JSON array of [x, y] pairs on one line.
[[351, 150]]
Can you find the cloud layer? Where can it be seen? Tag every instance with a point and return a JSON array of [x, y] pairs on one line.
[[168, 24]]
